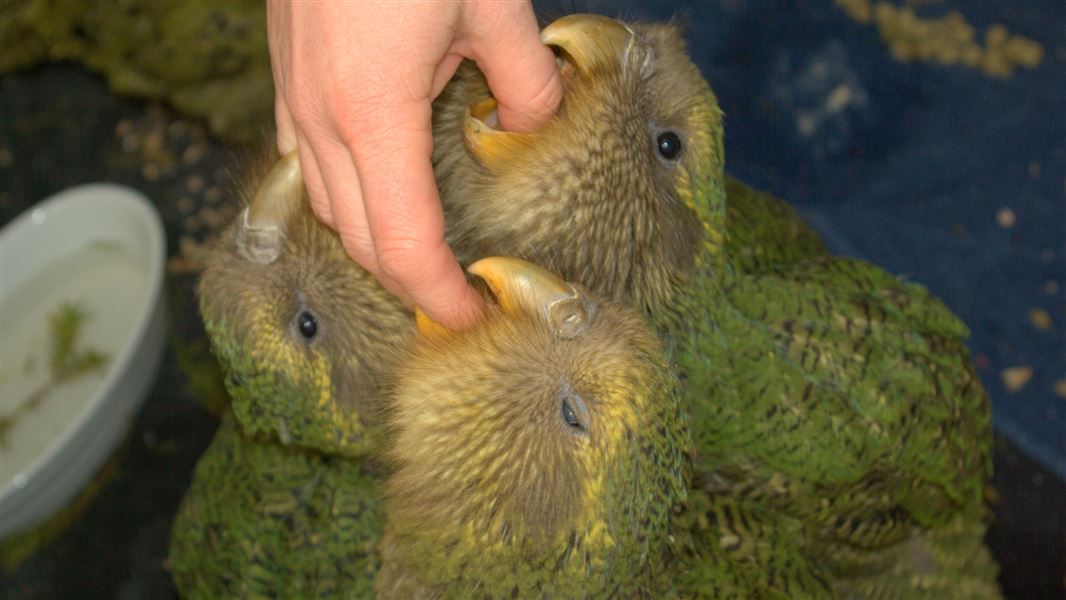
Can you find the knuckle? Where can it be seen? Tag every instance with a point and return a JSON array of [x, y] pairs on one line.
[[402, 258], [360, 249]]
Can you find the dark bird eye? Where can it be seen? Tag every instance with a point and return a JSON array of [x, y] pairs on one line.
[[573, 410], [307, 324], [669, 145], [569, 416]]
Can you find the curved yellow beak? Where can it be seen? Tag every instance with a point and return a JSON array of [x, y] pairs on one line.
[[280, 190], [522, 287], [493, 148], [585, 41], [590, 40]]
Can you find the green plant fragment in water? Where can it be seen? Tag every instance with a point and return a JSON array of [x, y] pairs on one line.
[[65, 361]]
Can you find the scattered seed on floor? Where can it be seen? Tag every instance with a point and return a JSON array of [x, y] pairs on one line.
[[1060, 388], [193, 154], [947, 40], [211, 218], [185, 205], [1040, 319], [213, 194], [1015, 378], [123, 128], [153, 143], [1005, 218], [195, 184], [151, 171]]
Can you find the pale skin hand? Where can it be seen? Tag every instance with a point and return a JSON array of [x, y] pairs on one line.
[[354, 83]]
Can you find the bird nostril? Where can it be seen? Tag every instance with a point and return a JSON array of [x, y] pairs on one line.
[[570, 317], [565, 62]]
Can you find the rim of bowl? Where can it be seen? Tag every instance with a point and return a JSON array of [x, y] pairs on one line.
[[149, 215]]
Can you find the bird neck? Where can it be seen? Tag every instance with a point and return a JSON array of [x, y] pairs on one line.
[[618, 545]]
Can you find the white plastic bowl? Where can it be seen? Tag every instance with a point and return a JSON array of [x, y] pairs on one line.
[[68, 440]]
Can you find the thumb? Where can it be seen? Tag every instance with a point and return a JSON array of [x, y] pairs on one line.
[[520, 70]]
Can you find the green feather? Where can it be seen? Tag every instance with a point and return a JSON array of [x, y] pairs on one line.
[[264, 520]]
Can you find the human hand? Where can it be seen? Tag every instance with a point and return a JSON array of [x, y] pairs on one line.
[[355, 82]]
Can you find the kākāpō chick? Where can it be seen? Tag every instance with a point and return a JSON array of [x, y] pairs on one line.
[[821, 387], [305, 335], [492, 201], [543, 453], [285, 503]]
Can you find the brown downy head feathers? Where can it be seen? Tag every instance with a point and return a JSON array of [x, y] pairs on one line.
[[549, 432], [605, 193], [295, 321]]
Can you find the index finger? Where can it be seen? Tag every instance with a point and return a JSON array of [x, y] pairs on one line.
[[521, 71], [405, 218]]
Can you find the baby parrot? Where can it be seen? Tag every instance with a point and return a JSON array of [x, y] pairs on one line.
[[285, 502], [542, 454], [820, 390], [305, 335]]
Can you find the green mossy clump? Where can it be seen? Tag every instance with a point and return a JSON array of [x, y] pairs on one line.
[[208, 59]]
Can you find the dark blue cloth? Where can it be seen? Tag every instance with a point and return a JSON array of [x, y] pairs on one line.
[[907, 165]]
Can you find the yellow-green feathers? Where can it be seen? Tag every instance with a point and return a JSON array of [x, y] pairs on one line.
[[525, 502]]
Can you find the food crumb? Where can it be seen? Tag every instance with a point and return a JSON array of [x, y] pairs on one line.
[[185, 205], [193, 154], [195, 184], [1005, 218], [213, 194], [948, 40], [1015, 378], [1040, 319], [1060, 388], [123, 128], [151, 171]]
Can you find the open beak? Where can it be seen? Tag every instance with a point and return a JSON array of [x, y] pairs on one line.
[[584, 42], [493, 147]]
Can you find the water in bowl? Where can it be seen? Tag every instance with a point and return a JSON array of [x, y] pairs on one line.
[[109, 284]]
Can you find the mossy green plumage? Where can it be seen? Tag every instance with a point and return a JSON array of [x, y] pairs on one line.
[[835, 403], [286, 500], [207, 58], [262, 520]]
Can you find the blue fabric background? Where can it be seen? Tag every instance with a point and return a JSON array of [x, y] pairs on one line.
[[910, 172]]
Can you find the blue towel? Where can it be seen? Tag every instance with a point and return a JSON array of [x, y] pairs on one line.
[[940, 174]]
